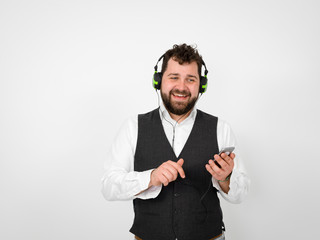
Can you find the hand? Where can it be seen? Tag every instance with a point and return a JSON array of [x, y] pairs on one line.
[[226, 163], [166, 173]]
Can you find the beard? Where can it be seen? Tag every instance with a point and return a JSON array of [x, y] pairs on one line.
[[178, 108]]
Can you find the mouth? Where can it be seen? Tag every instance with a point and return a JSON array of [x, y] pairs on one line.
[[180, 96]]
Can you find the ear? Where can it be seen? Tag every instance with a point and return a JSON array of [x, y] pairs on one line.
[[157, 77], [203, 84]]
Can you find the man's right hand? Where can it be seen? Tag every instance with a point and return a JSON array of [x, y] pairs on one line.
[[166, 173]]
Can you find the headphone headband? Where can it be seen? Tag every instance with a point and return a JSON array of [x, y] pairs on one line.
[[156, 66]]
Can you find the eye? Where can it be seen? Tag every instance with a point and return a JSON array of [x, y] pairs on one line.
[[191, 80], [174, 78]]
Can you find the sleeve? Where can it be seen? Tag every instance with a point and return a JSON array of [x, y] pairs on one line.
[[120, 181], [239, 181]]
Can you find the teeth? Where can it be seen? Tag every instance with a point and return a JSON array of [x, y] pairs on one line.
[[180, 95]]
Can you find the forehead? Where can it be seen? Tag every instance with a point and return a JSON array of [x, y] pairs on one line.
[[185, 68]]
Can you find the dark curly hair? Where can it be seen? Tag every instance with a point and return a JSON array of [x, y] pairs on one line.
[[182, 53]]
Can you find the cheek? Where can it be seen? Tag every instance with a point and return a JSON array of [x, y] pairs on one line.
[[195, 90], [164, 84], [167, 87], [164, 89]]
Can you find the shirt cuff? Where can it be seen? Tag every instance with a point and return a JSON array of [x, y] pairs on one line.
[[147, 193], [238, 189]]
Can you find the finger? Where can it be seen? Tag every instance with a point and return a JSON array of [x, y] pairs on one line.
[[213, 173], [178, 168], [226, 158], [172, 170], [180, 161], [215, 168], [216, 162], [218, 173], [232, 155], [230, 163], [224, 171], [210, 170], [162, 178], [223, 163], [167, 173]]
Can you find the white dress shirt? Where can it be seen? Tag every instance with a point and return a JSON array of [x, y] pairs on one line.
[[121, 182]]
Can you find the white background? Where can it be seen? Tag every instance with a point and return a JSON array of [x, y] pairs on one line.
[[71, 72]]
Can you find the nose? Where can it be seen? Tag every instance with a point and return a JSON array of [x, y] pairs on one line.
[[181, 85]]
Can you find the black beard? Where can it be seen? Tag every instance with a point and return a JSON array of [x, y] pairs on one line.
[[175, 110]]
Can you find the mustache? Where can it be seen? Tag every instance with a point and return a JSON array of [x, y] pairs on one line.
[[176, 91]]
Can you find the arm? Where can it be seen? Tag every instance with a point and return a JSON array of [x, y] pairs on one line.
[[120, 181], [236, 188]]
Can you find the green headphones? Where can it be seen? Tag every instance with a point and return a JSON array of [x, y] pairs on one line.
[[157, 77]]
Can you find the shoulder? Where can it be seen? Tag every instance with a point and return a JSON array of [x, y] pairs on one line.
[[149, 115], [131, 123], [132, 120], [223, 127], [129, 126], [225, 133], [205, 115]]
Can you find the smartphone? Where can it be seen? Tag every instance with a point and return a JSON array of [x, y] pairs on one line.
[[226, 150]]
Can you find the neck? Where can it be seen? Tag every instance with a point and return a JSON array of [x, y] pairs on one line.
[[179, 118]]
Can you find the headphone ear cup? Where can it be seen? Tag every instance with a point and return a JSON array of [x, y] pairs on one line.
[[203, 84], [157, 77]]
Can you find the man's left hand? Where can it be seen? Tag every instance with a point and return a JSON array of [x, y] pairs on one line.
[[226, 163]]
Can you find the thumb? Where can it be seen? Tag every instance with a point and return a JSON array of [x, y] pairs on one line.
[[180, 162]]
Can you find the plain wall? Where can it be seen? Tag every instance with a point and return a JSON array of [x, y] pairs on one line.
[[71, 72]]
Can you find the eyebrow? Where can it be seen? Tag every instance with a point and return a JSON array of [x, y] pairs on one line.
[[174, 74], [177, 74], [192, 76]]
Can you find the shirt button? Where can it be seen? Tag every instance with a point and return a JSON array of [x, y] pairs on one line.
[[176, 194]]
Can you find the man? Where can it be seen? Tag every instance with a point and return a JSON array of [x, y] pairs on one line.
[[167, 160]]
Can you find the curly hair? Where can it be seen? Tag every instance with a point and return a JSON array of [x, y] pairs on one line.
[[182, 53]]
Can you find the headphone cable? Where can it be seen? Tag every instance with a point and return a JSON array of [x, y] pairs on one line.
[[173, 126], [176, 121]]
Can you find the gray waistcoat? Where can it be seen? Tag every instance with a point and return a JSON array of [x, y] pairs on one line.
[[186, 209]]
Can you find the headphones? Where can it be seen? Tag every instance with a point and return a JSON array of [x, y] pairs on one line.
[[157, 78]]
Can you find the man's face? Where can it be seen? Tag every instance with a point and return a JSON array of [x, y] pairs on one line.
[[180, 87]]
